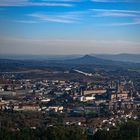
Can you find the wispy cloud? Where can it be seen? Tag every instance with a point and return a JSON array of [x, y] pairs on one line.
[[134, 16], [63, 0], [116, 10], [134, 22], [29, 3], [114, 0], [25, 21], [70, 17], [115, 13]]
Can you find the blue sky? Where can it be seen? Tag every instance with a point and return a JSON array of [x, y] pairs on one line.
[[69, 26]]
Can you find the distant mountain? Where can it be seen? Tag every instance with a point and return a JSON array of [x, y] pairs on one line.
[[38, 57], [118, 57], [121, 57], [87, 63], [91, 62], [88, 59]]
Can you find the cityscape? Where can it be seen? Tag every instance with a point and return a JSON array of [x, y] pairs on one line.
[[93, 100], [69, 70]]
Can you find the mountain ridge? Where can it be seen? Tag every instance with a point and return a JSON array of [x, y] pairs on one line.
[[85, 62]]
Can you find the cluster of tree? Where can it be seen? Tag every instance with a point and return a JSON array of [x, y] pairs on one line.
[[35, 126], [50, 133], [127, 131]]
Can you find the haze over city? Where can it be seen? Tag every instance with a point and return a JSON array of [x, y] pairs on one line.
[[69, 26]]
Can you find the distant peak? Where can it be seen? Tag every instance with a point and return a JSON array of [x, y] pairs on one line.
[[87, 56]]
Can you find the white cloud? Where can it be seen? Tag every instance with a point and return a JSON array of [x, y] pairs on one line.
[[114, 0], [63, 0], [28, 3], [25, 21], [115, 13], [135, 22], [134, 14], [116, 10], [70, 17]]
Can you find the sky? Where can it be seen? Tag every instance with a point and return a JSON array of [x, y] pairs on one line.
[[69, 26]]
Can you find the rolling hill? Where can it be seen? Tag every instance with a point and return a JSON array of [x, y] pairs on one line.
[[86, 62]]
